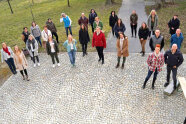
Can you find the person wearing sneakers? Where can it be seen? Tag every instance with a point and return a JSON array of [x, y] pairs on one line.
[[173, 59], [52, 50], [70, 45], [32, 47], [20, 62], [122, 47], [155, 63]]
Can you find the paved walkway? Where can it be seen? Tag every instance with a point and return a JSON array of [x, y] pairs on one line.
[[90, 93], [124, 13]]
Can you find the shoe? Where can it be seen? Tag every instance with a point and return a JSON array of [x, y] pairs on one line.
[[53, 65], [58, 64], [38, 64], [103, 62], [174, 87], [23, 77], [15, 73], [143, 87], [131, 36], [143, 54], [117, 65], [27, 78], [99, 60], [166, 84], [83, 54], [153, 87], [122, 67], [34, 65], [135, 37], [86, 53]]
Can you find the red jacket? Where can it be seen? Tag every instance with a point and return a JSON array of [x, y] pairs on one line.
[[99, 40]]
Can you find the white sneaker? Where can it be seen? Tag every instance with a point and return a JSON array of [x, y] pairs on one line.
[[58, 64], [34, 65], [38, 64], [53, 65]]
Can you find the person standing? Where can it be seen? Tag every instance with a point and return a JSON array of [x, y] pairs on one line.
[[83, 20], [7, 56], [84, 39], [20, 62], [92, 16], [173, 59], [45, 34], [32, 47], [123, 50], [173, 24], [25, 34], [97, 22], [53, 50], [143, 33], [156, 39], [112, 20], [177, 38], [51, 26], [70, 45], [36, 32], [133, 22], [155, 63], [152, 22], [67, 23], [119, 27], [99, 42]]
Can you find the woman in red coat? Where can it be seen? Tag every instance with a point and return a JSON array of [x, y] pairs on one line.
[[99, 42]]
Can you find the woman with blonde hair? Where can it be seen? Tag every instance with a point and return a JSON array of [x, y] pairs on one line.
[[152, 22], [20, 62], [70, 45], [97, 23]]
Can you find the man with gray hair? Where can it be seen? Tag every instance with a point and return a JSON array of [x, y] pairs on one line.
[[67, 23], [83, 20], [173, 59]]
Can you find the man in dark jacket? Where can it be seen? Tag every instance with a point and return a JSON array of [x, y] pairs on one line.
[[112, 20], [174, 24], [156, 39], [51, 26], [83, 20], [173, 59]]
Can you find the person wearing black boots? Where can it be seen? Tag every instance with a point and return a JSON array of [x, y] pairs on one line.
[[112, 20], [84, 38], [92, 17], [155, 62]]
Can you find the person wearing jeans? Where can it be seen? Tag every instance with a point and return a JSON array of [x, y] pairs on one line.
[[173, 59], [99, 42], [155, 63], [70, 45], [7, 56], [52, 50], [67, 23], [36, 32]]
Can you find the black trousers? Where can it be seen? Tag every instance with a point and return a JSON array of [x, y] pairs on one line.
[[84, 47], [33, 58], [153, 32], [92, 28], [55, 34], [100, 52], [56, 56], [133, 29], [113, 30], [25, 71], [174, 74]]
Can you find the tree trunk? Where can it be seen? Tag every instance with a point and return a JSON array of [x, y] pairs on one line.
[[10, 6], [109, 2], [68, 3], [32, 2]]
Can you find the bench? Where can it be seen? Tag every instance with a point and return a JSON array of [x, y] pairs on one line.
[[183, 84]]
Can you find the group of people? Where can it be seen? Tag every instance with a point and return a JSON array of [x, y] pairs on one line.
[[172, 58]]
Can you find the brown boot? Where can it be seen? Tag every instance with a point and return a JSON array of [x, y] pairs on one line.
[[117, 65]]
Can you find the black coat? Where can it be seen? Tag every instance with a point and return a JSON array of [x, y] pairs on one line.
[[83, 36], [175, 24], [143, 33], [48, 47], [92, 17], [113, 20]]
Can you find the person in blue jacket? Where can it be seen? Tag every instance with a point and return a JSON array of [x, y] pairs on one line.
[[177, 38], [70, 45], [67, 23]]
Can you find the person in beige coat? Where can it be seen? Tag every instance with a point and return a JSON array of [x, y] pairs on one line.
[[20, 62], [122, 48]]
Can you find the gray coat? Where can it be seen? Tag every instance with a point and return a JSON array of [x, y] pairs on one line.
[[5, 56], [155, 23], [35, 49], [35, 31]]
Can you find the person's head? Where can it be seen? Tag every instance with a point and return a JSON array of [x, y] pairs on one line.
[[4, 45], [157, 48], [153, 12], [16, 49], [25, 29], [113, 13], [144, 25], [157, 33], [33, 24], [92, 11], [30, 37], [45, 28], [134, 12], [97, 19], [119, 21], [82, 15], [175, 16], [174, 47], [63, 14], [121, 35], [98, 29], [70, 38], [178, 31], [49, 20]]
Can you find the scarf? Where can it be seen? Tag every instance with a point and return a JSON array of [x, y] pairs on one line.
[[121, 43], [31, 42], [6, 50]]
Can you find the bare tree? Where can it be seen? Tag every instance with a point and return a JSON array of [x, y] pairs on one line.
[[68, 3], [109, 2], [10, 6]]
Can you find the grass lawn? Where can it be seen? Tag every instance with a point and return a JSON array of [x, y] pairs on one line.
[[11, 25], [165, 14]]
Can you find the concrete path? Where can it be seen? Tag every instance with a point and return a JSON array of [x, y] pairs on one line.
[[124, 13]]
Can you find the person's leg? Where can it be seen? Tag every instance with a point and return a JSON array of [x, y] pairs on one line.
[[70, 56], [37, 58], [124, 59], [83, 48], [168, 76], [154, 78], [153, 32], [174, 74], [44, 44], [33, 58], [74, 57], [101, 54], [22, 74], [52, 56], [11, 60], [52, 35], [92, 28], [39, 40], [10, 66], [70, 30], [131, 29], [55, 34], [66, 28], [98, 50], [147, 78], [135, 29], [118, 62], [56, 56], [86, 48], [25, 71], [113, 30]]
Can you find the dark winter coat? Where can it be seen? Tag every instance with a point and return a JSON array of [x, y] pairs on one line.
[[48, 47], [154, 40], [134, 19], [119, 29], [83, 21], [175, 24], [113, 20], [143, 33], [92, 17], [83, 36], [51, 26]]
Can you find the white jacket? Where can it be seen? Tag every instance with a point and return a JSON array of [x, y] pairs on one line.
[[45, 36]]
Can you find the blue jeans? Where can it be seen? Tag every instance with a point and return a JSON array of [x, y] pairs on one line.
[[66, 28], [39, 40], [149, 75], [72, 54], [11, 65]]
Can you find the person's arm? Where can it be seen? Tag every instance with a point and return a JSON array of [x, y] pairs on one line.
[[79, 22], [162, 44], [31, 31], [165, 57], [88, 36], [2, 57], [80, 36], [65, 44], [24, 58], [55, 27], [57, 48], [169, 24], [90, 18], [22, 37], [36, 45], [104, 41], [149, 60], [130, 18], [101, 25], [151, 44], [15, 62], [180, 60], [156, 24], [70, 21], [162, 61], [39, 30], [136, 18], [117, 45], [94, 25], [110, 21], [139, 33], [61, 20], [47, 48]]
